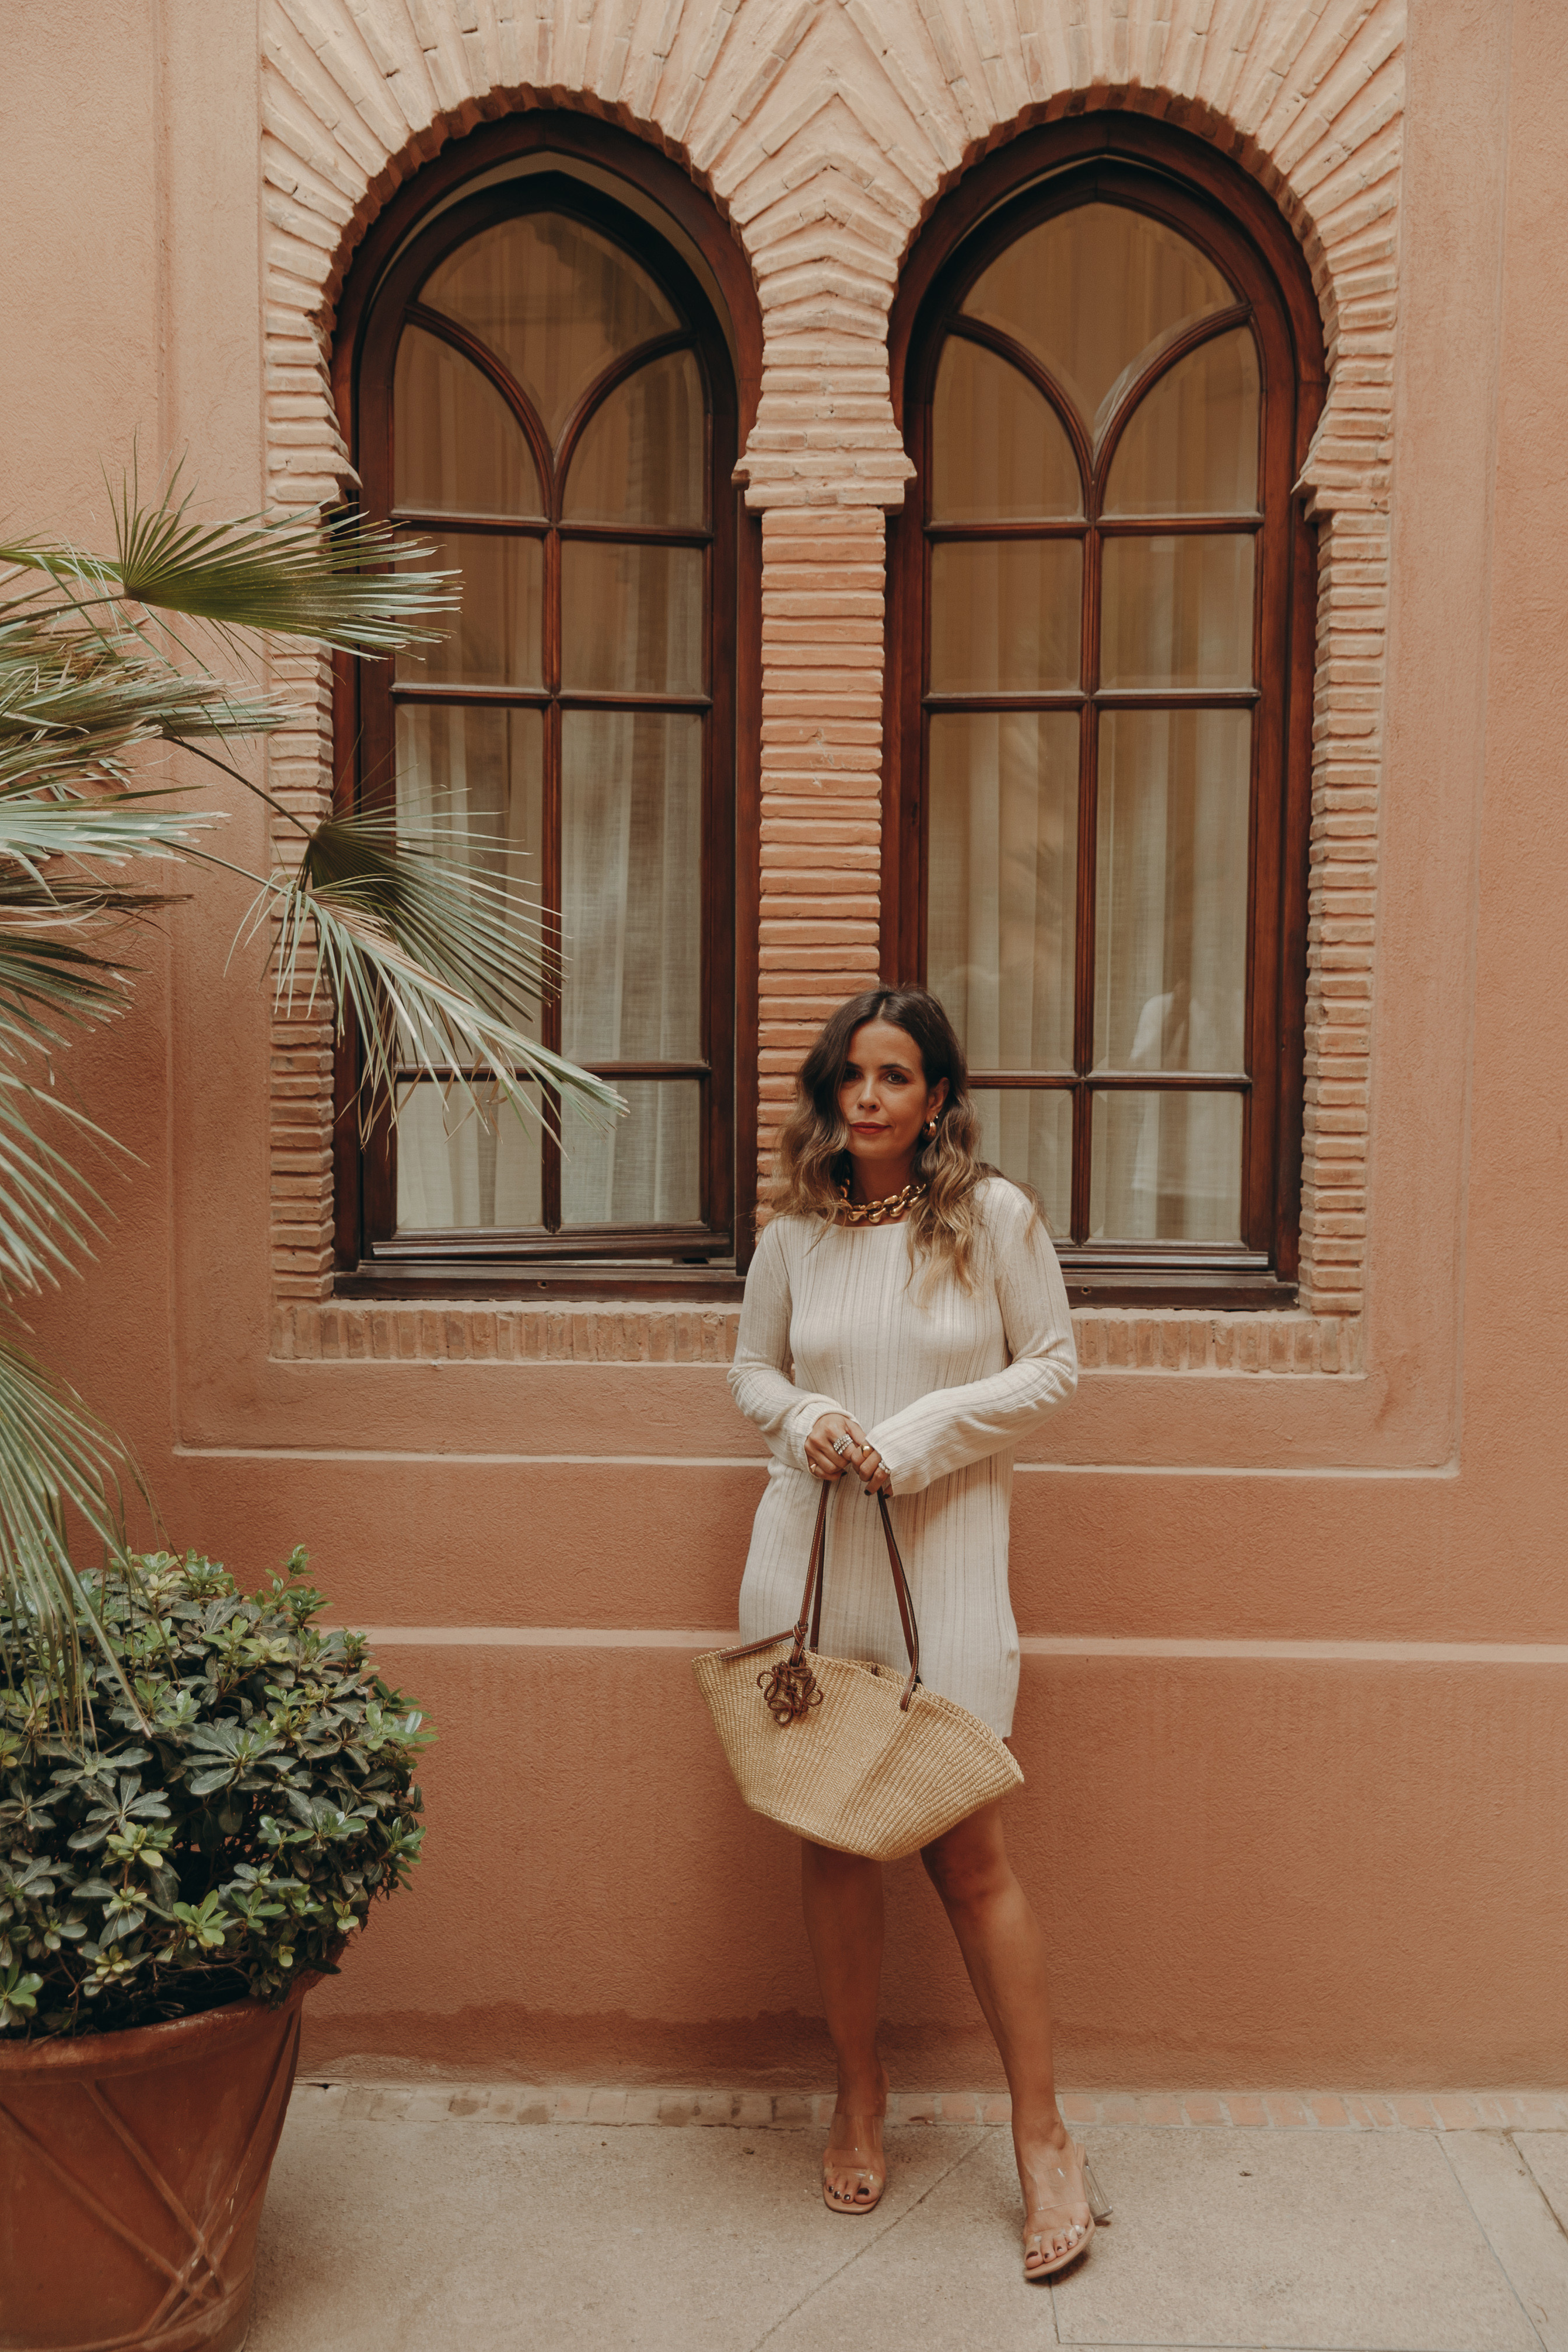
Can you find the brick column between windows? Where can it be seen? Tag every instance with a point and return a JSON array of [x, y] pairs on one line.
[[823, 604]]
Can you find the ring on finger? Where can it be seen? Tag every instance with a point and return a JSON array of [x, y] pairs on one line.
[[845, 1445]]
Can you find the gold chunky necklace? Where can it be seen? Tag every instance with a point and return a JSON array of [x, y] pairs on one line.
[[877, 1212]]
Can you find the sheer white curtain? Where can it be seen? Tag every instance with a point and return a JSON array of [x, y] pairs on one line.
[[631, 801], [1093, 292], [1096, 293], [556, 299], [1170, 952], [631, 905], [458, 449], [1002, 922], [469, 779], [558, 302]]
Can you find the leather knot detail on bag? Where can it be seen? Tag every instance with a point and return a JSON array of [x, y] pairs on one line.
[[790, 1692]]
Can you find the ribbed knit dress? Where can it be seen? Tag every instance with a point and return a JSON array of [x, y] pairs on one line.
[[944, 1382]]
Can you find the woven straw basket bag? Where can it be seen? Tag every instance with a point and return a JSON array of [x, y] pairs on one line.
[[844, 1752]]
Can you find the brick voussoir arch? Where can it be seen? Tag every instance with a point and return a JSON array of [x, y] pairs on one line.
[[826, 130]]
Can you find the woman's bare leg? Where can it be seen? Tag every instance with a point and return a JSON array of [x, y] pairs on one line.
[[1005, 1953], [842, 1897]]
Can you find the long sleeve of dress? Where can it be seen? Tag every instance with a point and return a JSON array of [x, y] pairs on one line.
[[758, 1381], [952, 1427]]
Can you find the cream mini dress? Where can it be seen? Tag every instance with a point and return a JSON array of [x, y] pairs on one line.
[[945, 1382]]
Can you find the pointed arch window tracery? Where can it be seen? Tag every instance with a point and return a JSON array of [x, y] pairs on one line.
[[545, 394], [1097, 710]]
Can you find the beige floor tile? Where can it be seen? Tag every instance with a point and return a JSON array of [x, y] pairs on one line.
[[1546, 2153], [517, 2240], [1521, 2225], [948, 2277], [1319, 2238], [495, 2236]]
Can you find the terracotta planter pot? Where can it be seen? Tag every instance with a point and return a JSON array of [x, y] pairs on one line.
[[132, 2170]]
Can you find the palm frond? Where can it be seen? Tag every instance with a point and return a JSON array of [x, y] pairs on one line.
[[61, 903], [47, 981], [114, 827], [295, 575], [50, 983], [46, 1221], [103, 681], [438, 961], [55, 1456], [464, 915]]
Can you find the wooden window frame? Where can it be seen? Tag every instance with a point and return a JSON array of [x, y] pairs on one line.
[[1171, 178], [705, 1261]]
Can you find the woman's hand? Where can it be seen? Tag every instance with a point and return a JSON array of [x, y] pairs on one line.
[[828, 1455]]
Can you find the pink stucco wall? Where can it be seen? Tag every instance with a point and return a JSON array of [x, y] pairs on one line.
[[1294, 1701]]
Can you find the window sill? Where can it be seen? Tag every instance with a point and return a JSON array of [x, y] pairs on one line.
[[1128, 1287], [606, 1328], [1214, 1288], [394, 1281]]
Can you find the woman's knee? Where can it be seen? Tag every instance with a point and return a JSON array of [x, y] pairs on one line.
[[964, 1884], [970, 1865]]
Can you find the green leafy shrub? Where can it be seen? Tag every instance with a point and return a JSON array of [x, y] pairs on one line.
[[219, 1836]]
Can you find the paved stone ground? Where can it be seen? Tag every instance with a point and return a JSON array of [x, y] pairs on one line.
[[607, 2221]]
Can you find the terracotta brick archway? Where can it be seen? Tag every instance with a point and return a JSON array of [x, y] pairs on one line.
[[824, 131]]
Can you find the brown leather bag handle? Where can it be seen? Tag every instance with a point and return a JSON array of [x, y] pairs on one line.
[[906, 1601], [811, 1600]]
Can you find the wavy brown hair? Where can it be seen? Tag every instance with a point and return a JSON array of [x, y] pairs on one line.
[[814, 1161]]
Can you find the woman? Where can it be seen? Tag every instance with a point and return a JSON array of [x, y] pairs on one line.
[[905, 1321]]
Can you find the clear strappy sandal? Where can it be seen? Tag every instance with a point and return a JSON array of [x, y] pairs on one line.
[[1059, 2177], [871, 2178]]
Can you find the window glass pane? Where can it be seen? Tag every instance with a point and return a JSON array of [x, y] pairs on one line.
[[999, 451], [1191, 446], [644, 1171], [1169, 925], [1092, 292], [641, 457], [556, 301], [498, 637], [453, 1173], [1002, 865], [472, 780], [631, 618], [631, 814], [1165, 1167], [1177, 611], [1026, 1132], [458, 448], [1005, 615]]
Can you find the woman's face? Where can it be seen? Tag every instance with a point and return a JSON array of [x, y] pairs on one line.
[[884, 1097]]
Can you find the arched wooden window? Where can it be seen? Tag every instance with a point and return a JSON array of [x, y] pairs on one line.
[[1094, 703], [544, 390]]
